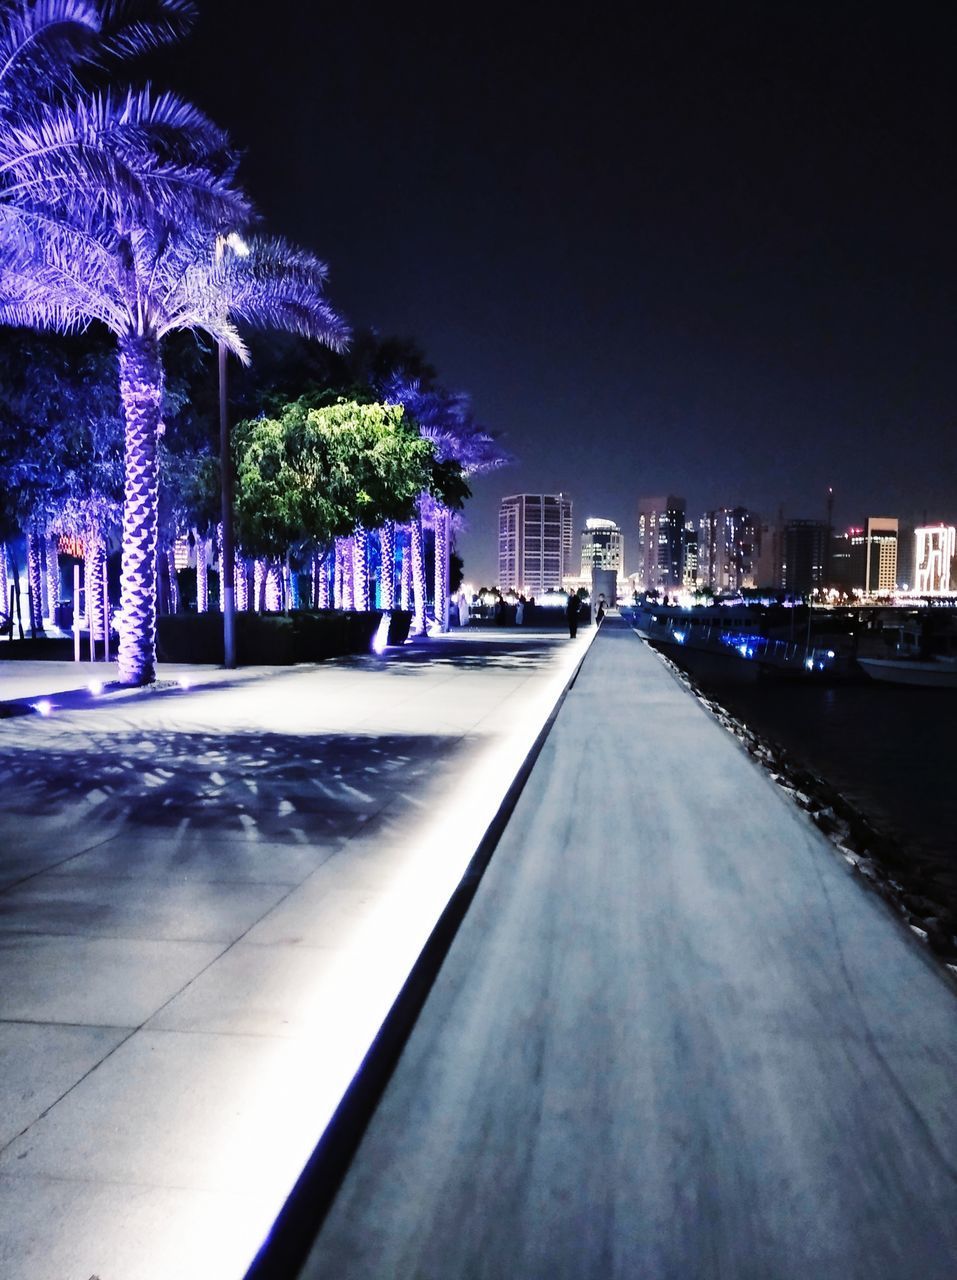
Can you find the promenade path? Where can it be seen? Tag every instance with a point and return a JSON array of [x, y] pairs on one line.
[[674, 1039], [209, 898]]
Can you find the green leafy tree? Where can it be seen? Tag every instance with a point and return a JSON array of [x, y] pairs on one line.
[[316, 472]]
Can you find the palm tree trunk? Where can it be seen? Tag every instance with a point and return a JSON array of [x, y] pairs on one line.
[[35, 580], [387, 571], [202, 574], [348, 574], [406, 588], [219, 564], [242, 582], [337, 590], [173, 580], [322, 569], [15, 583], [259, 584], [441, 594], [5, 610], [360, 570], [141, 391], [291, 582], [93, 577], [53, 574], [44, 580], [418, 578], [274, 601]]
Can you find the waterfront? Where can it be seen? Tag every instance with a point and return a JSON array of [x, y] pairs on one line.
[[888, 750]]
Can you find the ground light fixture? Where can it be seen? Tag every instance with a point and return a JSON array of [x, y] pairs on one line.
[[381, 637]]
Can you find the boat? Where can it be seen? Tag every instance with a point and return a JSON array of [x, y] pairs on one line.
[[919, 651], [938, 672], [738, 644]]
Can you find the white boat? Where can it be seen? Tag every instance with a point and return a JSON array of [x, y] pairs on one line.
[[931, 673]]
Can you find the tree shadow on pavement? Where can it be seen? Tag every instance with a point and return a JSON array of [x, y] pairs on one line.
[[274, 786], [515, 655]]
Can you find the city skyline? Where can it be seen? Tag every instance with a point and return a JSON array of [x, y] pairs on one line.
[[776, 519], [703, 250]]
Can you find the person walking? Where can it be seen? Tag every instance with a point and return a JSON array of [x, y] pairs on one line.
[[601, 610], [571, 613]]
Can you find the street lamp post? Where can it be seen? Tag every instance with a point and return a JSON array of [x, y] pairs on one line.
[[227, 587]]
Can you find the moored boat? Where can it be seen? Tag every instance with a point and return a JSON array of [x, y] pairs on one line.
[[933, 673]]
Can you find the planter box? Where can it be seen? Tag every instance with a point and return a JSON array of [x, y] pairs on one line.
[[400, 621], [266, 639]]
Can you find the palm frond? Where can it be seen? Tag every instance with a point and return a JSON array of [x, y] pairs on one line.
[[128, 149], [53, 270], [132, 27], [275, 286], [447, 420], [40, 41]]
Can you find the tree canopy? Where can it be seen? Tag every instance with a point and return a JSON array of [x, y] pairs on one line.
[[315, 472]]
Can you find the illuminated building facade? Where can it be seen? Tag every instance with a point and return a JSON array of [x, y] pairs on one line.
[[689, 537], [534, 542], [933, 559], [603, 547], [874, 556], [728, 542], [661, 543]]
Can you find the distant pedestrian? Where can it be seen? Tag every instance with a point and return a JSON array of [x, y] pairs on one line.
[[571, 613], [601, 610], [520, 611], [463, 604]]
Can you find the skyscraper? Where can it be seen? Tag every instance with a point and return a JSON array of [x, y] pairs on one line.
[[603, 546], [728, 549], [805, 555], [689, 541], [660, 543], [534, 541], [874, 556], [933, 557]]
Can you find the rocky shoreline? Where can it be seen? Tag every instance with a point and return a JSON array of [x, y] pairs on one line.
[[907, 884]]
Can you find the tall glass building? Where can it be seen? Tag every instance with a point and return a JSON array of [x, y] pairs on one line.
[[661, 542], [534, 542]]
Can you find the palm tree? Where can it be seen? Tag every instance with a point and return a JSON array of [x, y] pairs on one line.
[[445, 418], [145, 280], [111, 209]]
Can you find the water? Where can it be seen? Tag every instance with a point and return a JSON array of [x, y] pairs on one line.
[[890, 751]]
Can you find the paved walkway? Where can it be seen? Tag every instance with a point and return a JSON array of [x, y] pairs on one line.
[[209, 898], [674, 1039]]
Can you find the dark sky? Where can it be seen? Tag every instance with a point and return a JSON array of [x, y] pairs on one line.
[[701, 249]]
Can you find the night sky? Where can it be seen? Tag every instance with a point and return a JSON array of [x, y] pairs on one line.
[[700, 249]]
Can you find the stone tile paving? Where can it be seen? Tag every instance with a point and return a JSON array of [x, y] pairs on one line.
[[208, 899]]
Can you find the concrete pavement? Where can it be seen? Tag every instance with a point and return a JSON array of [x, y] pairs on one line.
[[674, 1037], [209, 898]]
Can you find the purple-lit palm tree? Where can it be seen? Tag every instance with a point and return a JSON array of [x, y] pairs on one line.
[[143, 278], [110, 208], [447, 420]]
